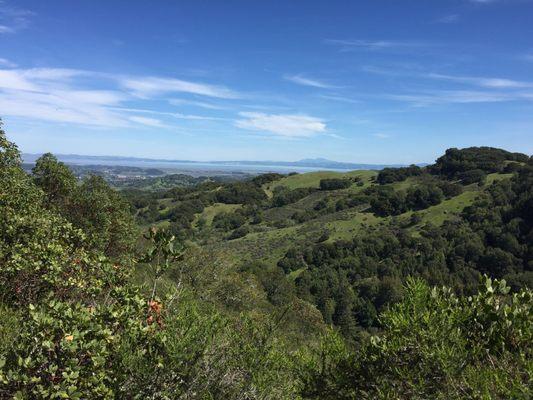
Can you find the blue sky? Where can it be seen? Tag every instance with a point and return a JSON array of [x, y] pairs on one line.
[[361, 81]]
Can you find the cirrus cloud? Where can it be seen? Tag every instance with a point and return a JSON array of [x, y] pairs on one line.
[[155, 123], [493, 83], [283, 125], [4, 62], [67, 96], [301, 80], [347, 45], [13, 19], [149, 86]]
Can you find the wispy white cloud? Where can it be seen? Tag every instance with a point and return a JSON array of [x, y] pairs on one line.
[[55, 74], [301, 80], [528, 57], [354, 44], [495, 83], [487, 2], [4, 62], [448, 19], [153, 86], [37, 95], [384, 71], [457, 96], [484, 82], [491, 89], [155, 123], [168, 114], [13, 19], [381, 135], [61, 107], [65, 96], [6, 29], [36, 79], [341, 99], [201, 104], [284, 125], [16, 80]]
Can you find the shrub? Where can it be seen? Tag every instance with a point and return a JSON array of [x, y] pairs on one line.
[[450, 189], [266, 178], [73, 325], [283, 196], [334, 183], [239, 233], [434, 345], [456, 162], [228, 221], [473, 176], [240, 193], [391, 175]]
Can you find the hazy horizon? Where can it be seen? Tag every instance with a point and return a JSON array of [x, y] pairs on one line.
[[117, 157]]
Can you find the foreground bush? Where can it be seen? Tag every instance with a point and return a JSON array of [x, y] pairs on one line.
[[73, 326], [435, 346]]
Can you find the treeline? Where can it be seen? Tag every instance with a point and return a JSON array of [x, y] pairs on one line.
[[386, 201], [469, 165], [335, 183], [391, 175], [457, 162], [435, 183], [284, 196], [187, 202]]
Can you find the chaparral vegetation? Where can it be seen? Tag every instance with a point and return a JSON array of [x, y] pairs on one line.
[[404, 283]]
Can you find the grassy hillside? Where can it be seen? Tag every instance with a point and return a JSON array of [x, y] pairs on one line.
[[270, 239], [210, 212], [312, 179]]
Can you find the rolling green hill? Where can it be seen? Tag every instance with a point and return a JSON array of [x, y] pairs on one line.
[[313, 286], [277, 232], [340, 239]]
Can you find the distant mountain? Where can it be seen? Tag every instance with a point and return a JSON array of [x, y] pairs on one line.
[[324, 162], [315, 163]]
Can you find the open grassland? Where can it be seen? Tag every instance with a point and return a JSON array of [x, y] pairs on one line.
[[312, 179], [268, 246], [350, 224], [445, 210], [210, 212], [491, 178]]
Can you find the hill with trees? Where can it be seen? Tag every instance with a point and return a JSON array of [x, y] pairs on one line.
[[404, 283]]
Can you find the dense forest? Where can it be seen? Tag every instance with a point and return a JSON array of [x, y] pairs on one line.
[[404, 283]]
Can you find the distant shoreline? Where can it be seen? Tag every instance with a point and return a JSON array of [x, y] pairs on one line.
[[223, 166]]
